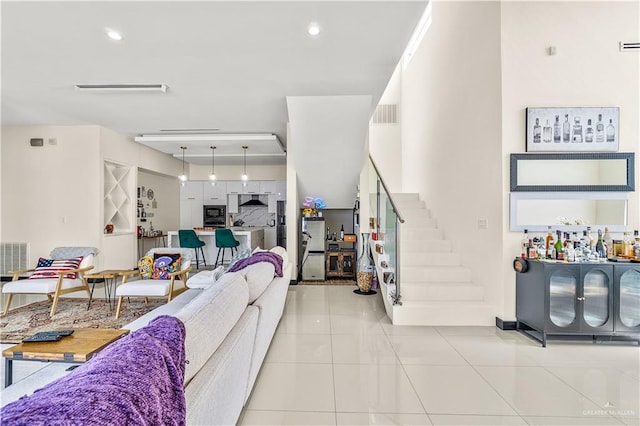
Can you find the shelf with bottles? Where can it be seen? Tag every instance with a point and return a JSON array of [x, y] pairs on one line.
[[572, 247]]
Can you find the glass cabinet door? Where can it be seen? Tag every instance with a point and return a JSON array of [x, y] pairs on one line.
[[630, 298], [562, 298], [596, 298]]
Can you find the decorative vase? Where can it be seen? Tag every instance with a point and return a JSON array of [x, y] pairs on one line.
[[109, 228], [364, 276]]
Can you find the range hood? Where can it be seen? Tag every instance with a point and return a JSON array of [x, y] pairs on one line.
[[254, 201]]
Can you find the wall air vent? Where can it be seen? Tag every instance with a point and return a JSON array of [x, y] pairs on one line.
[[630, 47], [385, 114], [122, 87]]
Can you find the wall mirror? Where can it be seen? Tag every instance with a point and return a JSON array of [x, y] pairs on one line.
[[568, 211], [586, 171]]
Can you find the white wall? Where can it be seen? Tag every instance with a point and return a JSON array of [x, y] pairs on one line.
[[51, 195], [385, 139], [588, 70], [329, 133], [451, 134]]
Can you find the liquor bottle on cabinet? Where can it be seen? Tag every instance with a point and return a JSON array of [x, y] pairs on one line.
[[524, 244], [588, 136], [547, 241], [566, 129], [600, 246], [536, 131], [608, 242], [557, 130], [559, 247], [611, 131], [599, 129], [577, 131], [546, 133]]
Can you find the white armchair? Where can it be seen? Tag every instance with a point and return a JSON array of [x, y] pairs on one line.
[[169, 288], [59, 283]]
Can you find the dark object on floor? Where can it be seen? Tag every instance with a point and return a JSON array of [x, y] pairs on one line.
[[505, 325], [365, 293]]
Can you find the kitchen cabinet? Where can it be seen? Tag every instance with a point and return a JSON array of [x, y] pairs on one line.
[[627, 298], [191, 203], [234, 187], [267, 186], [575, 299], [270, 237], [272, 204], [232, 203], [251, 187], [215, 195], [340, 264]]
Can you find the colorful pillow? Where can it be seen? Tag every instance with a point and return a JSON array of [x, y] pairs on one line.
[[49, 268], [241, 254], [165, 264], [145, 266]]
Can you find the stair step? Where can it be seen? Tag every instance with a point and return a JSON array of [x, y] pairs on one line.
[[434, 313], [410, 204], [400, 196], [430, 259], [425, 246], [419, 223], [451, 291], [436, 273], [409, 234]]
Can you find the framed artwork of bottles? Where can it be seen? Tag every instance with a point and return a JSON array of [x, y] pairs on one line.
[[573, 129]]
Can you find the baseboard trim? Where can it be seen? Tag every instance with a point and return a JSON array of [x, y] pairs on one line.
[[505, 325]]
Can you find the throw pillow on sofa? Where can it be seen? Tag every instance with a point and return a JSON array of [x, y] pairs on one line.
[[241, 254], [49, 268], [165, 264], [258, 277], [145, 266], [205, 279]]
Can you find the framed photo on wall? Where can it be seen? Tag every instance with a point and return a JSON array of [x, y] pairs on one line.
[[573, 129]]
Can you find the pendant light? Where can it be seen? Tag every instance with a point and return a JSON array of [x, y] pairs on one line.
[[183, 176], [244, 176], [212, 176]]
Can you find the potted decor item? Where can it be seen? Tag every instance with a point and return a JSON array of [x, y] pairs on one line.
[[109, 228], [364, 276]]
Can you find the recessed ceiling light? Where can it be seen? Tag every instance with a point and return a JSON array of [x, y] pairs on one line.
[[314, 29], [113, 34]]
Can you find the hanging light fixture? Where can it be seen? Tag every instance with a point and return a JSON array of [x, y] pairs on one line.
[[212, 176], [183, 176], [244, 176]]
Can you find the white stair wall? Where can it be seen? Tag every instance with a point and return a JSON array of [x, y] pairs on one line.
[[435, 287]]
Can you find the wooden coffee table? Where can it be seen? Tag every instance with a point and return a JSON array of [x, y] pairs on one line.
[[81, 346]]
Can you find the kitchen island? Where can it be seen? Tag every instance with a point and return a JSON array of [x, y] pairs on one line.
[[248, 237]]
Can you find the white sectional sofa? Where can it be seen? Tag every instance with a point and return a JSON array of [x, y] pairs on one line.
[[229, 327]]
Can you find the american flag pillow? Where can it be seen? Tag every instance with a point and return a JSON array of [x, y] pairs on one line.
[[49, 268]]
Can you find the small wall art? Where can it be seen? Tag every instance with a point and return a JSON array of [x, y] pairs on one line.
[[573, 129]]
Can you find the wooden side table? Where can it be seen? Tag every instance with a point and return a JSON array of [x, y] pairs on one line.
[[77, 348], [109, 277]]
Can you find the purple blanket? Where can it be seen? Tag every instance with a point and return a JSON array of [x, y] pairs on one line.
[[261, 256], [135, 380]]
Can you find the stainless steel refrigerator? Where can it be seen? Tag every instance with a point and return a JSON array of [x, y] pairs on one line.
[[313, 231]]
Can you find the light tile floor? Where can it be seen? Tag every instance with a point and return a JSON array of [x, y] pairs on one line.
[[336, 359]]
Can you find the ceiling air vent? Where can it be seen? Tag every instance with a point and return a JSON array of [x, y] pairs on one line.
[[385, 114], [630, 47], [122, 87]]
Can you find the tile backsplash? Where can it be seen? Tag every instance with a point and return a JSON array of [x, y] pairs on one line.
[[254, 215]]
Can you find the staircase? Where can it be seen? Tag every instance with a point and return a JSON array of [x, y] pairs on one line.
[[435, 288]]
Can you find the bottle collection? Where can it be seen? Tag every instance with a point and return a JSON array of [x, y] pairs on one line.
[[574, 132], [571, 247]]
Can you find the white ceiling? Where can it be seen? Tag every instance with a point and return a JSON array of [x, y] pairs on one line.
[[228, 65]]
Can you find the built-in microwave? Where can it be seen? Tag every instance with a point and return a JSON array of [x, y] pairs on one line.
[[215, 216]]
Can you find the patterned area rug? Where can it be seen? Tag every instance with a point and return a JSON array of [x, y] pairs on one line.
[[71, 313]]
